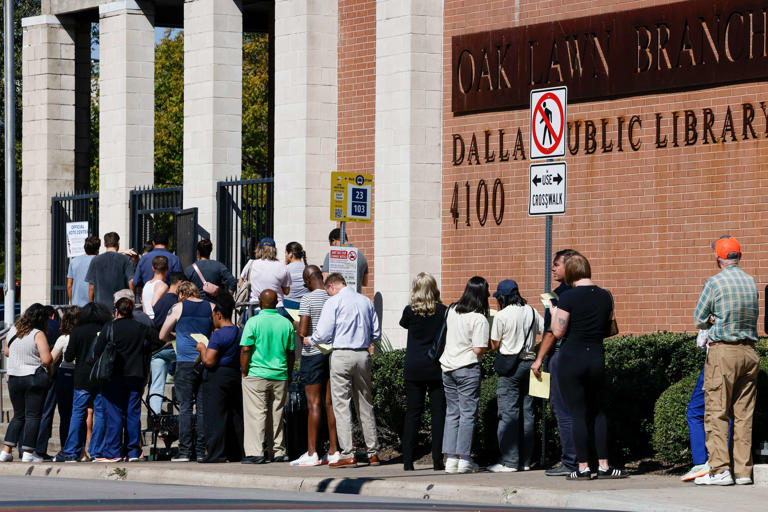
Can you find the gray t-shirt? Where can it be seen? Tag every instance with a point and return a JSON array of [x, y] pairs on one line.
[[78, 268], [298, 290], [362, 268], [312, 305], [108, 273]]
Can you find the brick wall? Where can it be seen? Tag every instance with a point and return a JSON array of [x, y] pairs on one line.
[[357, 106], [644, 218]]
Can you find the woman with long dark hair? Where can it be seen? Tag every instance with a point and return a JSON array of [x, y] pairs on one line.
[[29, 367], [584, 316], [423, 318], [134, 343], [513, 334], [465, 341]]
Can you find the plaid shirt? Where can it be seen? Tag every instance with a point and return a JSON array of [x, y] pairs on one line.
[[731, 297]]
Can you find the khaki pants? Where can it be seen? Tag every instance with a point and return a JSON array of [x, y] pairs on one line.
[[351, 380], [263, 402], [730, 377]]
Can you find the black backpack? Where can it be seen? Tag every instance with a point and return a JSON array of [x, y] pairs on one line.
[[101, 371]]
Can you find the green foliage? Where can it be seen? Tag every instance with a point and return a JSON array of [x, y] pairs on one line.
[[255, 153], [484, 442], [670, 433], [389, 394], [169, 109]]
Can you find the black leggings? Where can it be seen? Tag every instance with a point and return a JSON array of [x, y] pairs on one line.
[[415, 393], [581, 378]]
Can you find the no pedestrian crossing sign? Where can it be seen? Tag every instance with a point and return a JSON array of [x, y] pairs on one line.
[[548, 122], [547, 189], [351, 197]]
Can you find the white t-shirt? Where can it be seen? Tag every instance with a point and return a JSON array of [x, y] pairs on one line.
[[464, 331], [510, 326], [146, 297], [61, 346], [267, 275]]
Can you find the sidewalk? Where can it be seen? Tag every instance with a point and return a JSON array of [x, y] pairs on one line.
[[531, 489]]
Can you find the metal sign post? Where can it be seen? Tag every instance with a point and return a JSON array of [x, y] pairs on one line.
[[10, 169]]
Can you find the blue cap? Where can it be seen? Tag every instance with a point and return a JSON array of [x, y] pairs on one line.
[[266, 242], [506, 287]]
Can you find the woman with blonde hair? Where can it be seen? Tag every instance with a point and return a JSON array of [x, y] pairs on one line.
[[265, 272], [423, 318]]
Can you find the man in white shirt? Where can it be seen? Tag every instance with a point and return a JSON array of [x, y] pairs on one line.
[[349, 319]]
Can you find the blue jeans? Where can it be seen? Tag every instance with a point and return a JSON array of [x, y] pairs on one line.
[[161, 361], [462, 394], [122, 403], [564, 418], [77, 425], [695, 417], [515, 431]]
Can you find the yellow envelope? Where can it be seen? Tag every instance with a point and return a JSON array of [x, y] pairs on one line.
[[294, 314], [539, 387], [200, 338]]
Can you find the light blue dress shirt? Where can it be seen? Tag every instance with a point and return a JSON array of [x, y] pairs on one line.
[[349, 319]]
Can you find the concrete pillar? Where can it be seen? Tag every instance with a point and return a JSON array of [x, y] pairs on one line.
[[408, 150], [48, 143], [213, 85], [306, 48], [126, 109]]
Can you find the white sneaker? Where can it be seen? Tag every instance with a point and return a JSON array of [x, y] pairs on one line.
[[500, 468], [723, 478], [330, 458], [526, 468], [31, 457], [5, 456], [743, 480], [695, 472], [452, 465], [467, 466], [307, 460]]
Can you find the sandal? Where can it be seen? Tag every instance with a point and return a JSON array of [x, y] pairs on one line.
[[611, 473], [580, 475]]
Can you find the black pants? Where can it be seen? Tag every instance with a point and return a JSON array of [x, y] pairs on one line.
[[27, 396], [46, 420], [581, 378], [65, 389], [223, 404], [416, 391], [187, 380]]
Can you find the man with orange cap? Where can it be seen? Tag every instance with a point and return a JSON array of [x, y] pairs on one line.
[[728, 307]]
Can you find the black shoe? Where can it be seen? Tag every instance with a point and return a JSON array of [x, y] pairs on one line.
[[611, 473], [253, 460], [211, 461], [44, 456], [580, 475], [438, 466], [559, 470], [408, 466], [281, 458]]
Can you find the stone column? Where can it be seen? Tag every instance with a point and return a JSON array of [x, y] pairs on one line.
[[306, 48], [408, 177], [126, 109], [48, 143], [213, 89]]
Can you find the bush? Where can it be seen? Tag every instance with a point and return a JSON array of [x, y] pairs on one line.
[[670, 433]]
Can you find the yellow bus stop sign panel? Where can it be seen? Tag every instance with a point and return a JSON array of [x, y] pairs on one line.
[[351, 197]]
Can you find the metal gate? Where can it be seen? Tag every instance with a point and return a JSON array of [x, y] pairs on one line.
[[245, 216], [68, 208], [154, 209]]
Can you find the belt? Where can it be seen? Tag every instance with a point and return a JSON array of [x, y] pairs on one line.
[[352, 349], [751, 343]]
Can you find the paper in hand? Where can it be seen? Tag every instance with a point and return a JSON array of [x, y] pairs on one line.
[[200, 338], [539, 387], [294, 314], [547, 298]]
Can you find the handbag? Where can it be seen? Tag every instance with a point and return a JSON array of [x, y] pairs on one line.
[[613, 330], [208, 287], [243, 292], [102, 368], [438, 343], [506, 364]]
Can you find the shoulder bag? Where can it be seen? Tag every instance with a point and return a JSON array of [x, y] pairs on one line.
[[243, 292], [438, 343], [506, 365], [208, 287], [102, 368]]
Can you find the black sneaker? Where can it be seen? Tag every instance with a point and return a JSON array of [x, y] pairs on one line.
[[580, 475], [281, 458], [60, 457], [253, 459], [611, 473], [559, 470]]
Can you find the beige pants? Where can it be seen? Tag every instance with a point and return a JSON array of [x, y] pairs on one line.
[[351, 380], [263, 402], [730, 377]]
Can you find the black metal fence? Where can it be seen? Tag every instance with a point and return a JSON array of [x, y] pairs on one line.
[[245, 216], [154, 209], [68, 208]]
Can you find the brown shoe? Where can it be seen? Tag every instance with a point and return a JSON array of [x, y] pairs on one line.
[[344, 463], [373, 460]]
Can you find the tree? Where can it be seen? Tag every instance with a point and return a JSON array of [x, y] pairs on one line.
[[255, 106], [169, 109]]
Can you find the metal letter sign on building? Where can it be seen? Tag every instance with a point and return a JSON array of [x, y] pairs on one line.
[[548, 140], [351, 197]]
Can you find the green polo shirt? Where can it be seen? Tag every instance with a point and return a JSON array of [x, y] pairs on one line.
[[271, 335]]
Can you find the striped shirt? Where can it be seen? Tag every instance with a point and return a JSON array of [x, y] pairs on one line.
[[731, 297], [311, 306], [23, 357]]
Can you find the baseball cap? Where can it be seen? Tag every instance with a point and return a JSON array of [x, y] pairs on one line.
[[727, 247], [125, 293], [505, 287], [266, 242]]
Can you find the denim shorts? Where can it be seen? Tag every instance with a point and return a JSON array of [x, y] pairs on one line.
[[315, 369]]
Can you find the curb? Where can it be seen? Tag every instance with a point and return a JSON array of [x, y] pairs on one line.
[[363, 486]]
